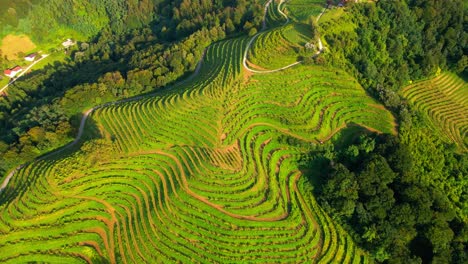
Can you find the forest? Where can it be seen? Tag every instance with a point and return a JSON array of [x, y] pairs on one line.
[[402, 198], [399, 42], [44, 21]]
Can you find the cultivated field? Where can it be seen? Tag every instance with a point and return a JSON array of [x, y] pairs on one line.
[[281, 46], [199, 173], [273, 17], [443, 99], [302, 10]]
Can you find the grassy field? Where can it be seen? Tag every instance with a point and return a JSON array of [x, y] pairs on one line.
[[337, 22], [195, 174], [281, 46], [302, 10], [11, 45], [443, 99]]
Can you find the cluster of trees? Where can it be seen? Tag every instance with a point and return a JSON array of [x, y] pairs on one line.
[[186, 16], [46, 21], [402, 198], [144, 57], [45, 127], [396, 42]]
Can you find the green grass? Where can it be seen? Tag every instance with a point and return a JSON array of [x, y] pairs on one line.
[[331, 15], [4, 81], [196, 173], [58, 56], [281, 46], [302, 10], [443, 99]]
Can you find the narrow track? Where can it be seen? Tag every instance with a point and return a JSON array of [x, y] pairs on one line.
[[22, 73], [244, 61], [87, 113]]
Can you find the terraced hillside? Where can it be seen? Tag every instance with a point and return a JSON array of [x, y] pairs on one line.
[[281, 46], [272, 16], [302, 10], [444, 100], [199, 173]]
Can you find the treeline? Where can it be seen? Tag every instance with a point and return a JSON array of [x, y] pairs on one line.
[[113, 66], [401, 198], [46, 21], [399, 41]]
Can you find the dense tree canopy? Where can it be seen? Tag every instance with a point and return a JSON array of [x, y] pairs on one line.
[[47, 21], [402, 200], [395, 42]]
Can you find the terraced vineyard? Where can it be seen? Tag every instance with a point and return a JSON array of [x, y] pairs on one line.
[[443, 99], [273, 17], [199, 173], [283, 42], [301, 10], [280, 46]]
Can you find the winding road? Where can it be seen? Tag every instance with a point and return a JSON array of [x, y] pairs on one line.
[[22, 73], [244, 60], [88, 112]]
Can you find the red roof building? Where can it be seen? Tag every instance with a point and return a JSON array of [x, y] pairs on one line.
[[7, 72], [12, 72]]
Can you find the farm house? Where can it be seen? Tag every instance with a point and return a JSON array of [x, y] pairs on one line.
[[12, 72], [30, 57]]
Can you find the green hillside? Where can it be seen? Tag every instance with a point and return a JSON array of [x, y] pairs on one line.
[[200, 173], [302, 10], [227, 132], [113, 64], [444, 100], [281, 46]]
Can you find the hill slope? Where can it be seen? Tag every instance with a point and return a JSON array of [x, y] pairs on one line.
[[443, 99], [201, 173]]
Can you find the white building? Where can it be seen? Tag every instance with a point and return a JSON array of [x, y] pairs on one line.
[[68, 43], [31, 57]]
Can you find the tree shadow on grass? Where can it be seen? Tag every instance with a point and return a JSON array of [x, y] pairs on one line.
[[464, 76], [44, 85], [349, 135]]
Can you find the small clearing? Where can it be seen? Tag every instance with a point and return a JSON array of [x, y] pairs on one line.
[[14, 44]]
